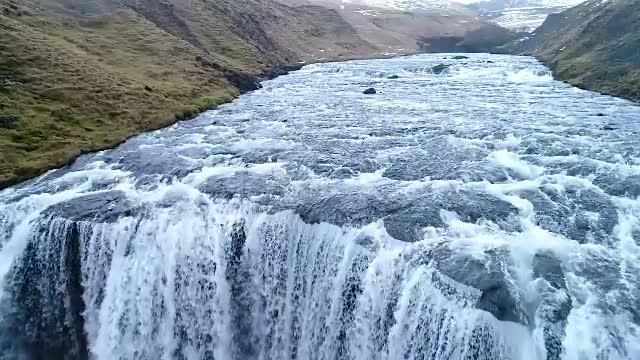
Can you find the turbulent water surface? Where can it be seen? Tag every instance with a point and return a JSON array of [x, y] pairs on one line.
[[486, 212]]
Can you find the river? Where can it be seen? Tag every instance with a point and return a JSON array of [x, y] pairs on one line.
[[486, 212]]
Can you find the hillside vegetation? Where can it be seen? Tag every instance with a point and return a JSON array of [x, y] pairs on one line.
[[77, 76], [595, 45]]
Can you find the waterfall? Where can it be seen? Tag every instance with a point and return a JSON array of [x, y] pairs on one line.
[[225, 281]]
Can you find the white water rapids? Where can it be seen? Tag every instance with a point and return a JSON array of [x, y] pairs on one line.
[[487, 212]]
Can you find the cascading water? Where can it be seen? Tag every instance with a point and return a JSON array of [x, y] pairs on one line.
[[486, 212]]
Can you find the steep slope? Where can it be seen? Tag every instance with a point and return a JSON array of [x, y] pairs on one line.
[[404, 32], [77, 76], [595, 45]]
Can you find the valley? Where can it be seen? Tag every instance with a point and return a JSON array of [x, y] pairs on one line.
[[83, 76], [307, 220], [319, 179]]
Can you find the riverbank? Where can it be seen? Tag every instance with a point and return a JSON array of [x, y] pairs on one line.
[[82, 77], [74, 80], [594, 46]]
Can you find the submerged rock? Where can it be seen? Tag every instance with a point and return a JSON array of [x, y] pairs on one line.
[[460, 57], [439, 69], [485, 273], [242, 184], [279, 70], [370, 91], [99, 207], [556, 304]]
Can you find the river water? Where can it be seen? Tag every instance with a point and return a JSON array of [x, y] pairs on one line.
[[487, 212]]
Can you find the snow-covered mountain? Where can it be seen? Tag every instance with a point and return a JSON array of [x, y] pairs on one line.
[[525, 15], [431, 6], [515, 14]]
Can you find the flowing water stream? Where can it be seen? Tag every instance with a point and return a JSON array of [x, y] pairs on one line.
[[486, 212]]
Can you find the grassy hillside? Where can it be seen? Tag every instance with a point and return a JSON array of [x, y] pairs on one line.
[[77, 76], [595, 45]]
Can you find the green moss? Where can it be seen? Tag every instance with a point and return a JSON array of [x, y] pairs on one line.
[[85, 75], [80, 87], [186, 113], [212, 102]]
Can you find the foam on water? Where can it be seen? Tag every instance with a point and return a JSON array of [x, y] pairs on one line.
[[482, 213]]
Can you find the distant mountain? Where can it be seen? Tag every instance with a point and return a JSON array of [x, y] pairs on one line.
[[441, 7], [521, 15], [394, 29], [497, 5], [594, 45]]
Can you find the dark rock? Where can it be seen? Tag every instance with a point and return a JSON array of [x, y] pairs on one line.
[[370, 91], [499, 297], [619, 184], [148, 88], [393, 77], [484, 39], [8, 122], [439, 44], [362, 166], [5, 81], [406, 223], [556, 304], [552, 211], [342, 208], [460, 57], [365, 240], [100, 207], [242, 184], [245, 82], [342, 173], [439, 69], [498, 301], [207, 63], [547, 266], [280, 70]]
